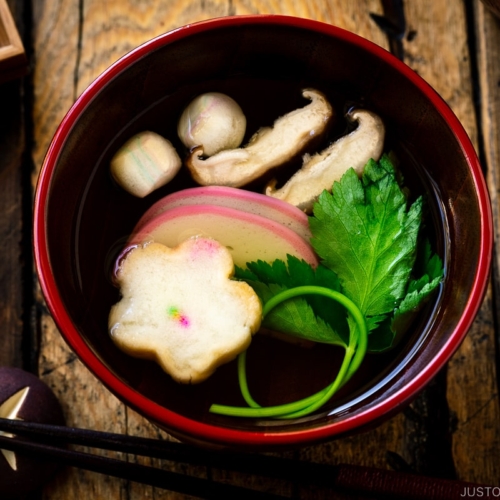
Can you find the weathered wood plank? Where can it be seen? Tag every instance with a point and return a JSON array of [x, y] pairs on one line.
[[474, 394], [488, 47], [436, 47], [55, 45], [11, 291], [438, 50], [12, 144]]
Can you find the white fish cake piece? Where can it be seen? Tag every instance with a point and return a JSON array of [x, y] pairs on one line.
[[180, 308]]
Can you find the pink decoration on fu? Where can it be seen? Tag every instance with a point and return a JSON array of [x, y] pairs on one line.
[[205, 245]]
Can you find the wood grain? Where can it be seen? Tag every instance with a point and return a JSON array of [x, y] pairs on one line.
[[436, 47], [12, 148], [56, 52], [474, 393], [74, 41], [438, 50], [11, 267], [488, 42]]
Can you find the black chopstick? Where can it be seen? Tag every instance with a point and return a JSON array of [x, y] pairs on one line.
[[358, 480], [253, 463], [173, 481]]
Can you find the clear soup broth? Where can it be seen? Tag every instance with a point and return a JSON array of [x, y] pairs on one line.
[[278, 371]]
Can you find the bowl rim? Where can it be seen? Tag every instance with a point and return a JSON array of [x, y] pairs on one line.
[[214, 434]]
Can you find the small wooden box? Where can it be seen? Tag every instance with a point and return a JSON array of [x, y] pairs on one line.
[[13, 62]]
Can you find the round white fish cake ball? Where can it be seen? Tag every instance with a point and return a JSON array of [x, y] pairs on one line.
[[144, 163], [214, 121]]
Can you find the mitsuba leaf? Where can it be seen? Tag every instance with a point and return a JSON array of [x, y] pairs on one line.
[[366, 233], [296, 317], [322, 313], [418, 293], [427, 262]]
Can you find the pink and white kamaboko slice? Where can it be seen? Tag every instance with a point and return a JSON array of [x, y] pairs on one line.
[[259, 204], [248, 237]]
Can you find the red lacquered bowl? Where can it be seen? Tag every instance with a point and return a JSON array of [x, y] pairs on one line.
[[82, 218]]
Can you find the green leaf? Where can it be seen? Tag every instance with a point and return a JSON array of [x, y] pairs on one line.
[[295, 273], [365, 233], [427, 262], [382, 338], [418, 294], [296, 317], [269, 279]]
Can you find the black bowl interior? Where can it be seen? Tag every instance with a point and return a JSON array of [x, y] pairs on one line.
[[263, 67]]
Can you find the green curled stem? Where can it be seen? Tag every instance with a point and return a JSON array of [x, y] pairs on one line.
[[359, 355], [242, 378], [248, 397], [353, 357]]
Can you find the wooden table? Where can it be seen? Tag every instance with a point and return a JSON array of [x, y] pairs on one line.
[[451, 431]]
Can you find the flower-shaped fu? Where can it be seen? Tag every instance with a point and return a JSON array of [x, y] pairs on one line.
[[180, 308]]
